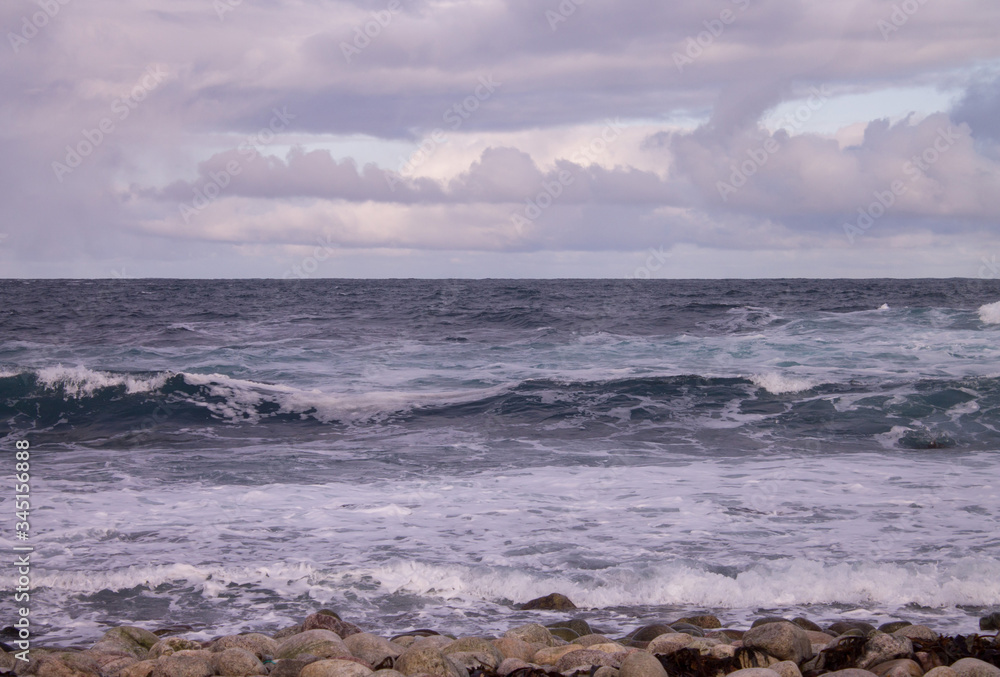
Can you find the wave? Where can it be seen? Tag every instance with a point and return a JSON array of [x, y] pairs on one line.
[[989, 313]]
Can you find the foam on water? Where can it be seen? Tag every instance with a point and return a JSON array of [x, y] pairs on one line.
[[80, 381], [781, 383], [990, 313]]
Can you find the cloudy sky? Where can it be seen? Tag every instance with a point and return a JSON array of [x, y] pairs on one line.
[[500, 138]]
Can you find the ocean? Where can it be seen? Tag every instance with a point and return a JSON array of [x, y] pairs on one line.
[[233, 455]]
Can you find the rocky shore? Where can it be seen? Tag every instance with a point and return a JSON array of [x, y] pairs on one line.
[[324, 645]]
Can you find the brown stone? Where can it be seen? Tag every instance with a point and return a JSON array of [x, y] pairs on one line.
[[319, 643], [586, 658], [704, 621], [550, 655], [235, 662], [641, 664], [881, 647], [185, 664], [333, 667], [512, 647], [375, 650], [551, 602], [648, 633], [417, 660], [256, 643], [784, 640], [973, 667], [171, 645], [325, 621], [898, 667]]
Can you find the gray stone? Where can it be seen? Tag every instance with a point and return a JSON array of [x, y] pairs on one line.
[[786, 669], [235, 662], [590, 640], [784, 640], [941, 671], [893, 626], [850, 672], [768, 619], [606, 671], [916, 632], [511, 647], [648, 633], [550, 655], [670, 643], [704, 621], [898, 667], [509, 665], [417, 660], [840, 627], [641, 664], [551, 602], [755, 672], [170, 645], [973, 667], [375, 650], [533, 632], [881, 647], [319, 643], [806, 624], [185, 664], [688, 629], [991, 622], [61, 664], [285, 633], [111, 664], [140, 669], [585, 658], [126, 639], [387, 673], [291, 667], [434, 641], [256, 643], [327, 621], [335, 668]]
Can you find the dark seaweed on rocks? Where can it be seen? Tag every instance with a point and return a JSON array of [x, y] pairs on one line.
[[950, 649], [844, 654], [691, 663]]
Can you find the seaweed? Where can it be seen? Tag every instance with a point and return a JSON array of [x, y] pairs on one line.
[[842, 655], [691, 663], [947, 650]]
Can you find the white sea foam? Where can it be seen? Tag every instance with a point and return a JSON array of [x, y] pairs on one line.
[[990, 313], [778, 384], [83, 382]]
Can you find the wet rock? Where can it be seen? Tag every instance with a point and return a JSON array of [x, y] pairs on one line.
[[785, 641], [893, 626], [611, 647], [126, 639], [916, 632], [319, 643], [664, 645], [533, 632], [434, 641], [726, 634], [899, 667], [512, 647], [641, 664], [841, 627], [256, 643], [323, 620], [755, 658], [333, 667], [850, 672], [703, 621], [585, 658], [722, 651], [551, 602], [378, 651], [819, 637], [755, 672], [140, 669], [170, 645], [688, 629], [590, 640], [768, 619], [606, 671], [551, 655], [184, 664], [565, 634], [509, 665], [291, 667], [416, 660], [928, 661], [111, 664], [941, 671], [285, 633], [881, 647], [806, 624], [787, 668], [973, 667], [991, 622], [236, 662], [62, 664], [648, 633], [474, 653], [387, 673]]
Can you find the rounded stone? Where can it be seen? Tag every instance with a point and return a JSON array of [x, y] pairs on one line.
[[881, 647], [609, 647], [806, 624], [703, 621], [512, 647], [754, 672], [185, 664], [586, 658], [669, 643], [509, 665], [648, 633], [768, 619], [841, 627], [387, 673], [62, 664], [550, 602], [256, 643], [433, 641], [126, 639], [786, 669], [319, 643], [641, 664], [916, 632], [893, 626], [991, 622], [550, 655], [722, 652], [285, 633], [899, 667], [417, 660], [236, 662], [326, 621], [688, 629], [531, 633], [378, 651], [783, 640], [170, 645], [606, 671], [140, 669], [332, 667], [291, 667], [941, 671], [590, 640], [973, 667]]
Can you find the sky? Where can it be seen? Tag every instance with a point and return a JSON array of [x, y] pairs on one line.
[[500, 138]]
